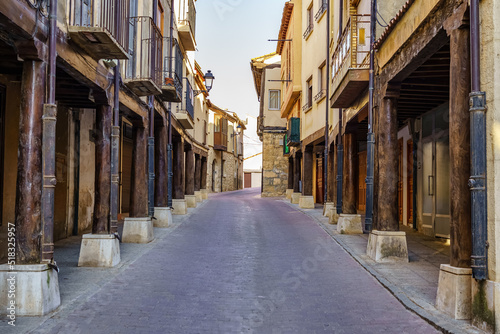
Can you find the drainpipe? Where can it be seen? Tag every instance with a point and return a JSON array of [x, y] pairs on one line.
[[170, 174], [477, 180], [327, 113], [370, 139], [151, 138], [76, 186], [49, 144], [115, 154]]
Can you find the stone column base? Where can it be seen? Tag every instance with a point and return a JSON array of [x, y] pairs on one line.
[[306, 202], [454, 295], [289, 193], [349, 224], [190, 201], [36, 289], [485, 296], [179, 207], [328, 208], [387, 246], [163, 217], [334, 217], [199, 196], [137, 230], [99, 250], [295, 198], [204, 194]]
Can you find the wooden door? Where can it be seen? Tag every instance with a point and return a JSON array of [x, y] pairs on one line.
[[2, 145], [362, 181], [400, 182], [409, 187], [248, 180], [319, 180]]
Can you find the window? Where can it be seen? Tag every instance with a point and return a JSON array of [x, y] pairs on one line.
[[309, 92], [274, 99], [322, 77], [310, 20], [361, 36]]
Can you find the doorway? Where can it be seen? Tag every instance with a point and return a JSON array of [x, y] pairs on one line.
[[319, 179], [2, 146], [435, 162]]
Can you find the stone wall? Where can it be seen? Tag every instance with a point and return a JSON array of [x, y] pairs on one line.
[[275, 165]]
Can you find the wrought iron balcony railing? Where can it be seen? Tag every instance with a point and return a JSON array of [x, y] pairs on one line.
[[172, 72], [307, 106], [100, 27], [188, 101], [320, 95], [308, 31], [143, 72], [321, 10], [349, 54]]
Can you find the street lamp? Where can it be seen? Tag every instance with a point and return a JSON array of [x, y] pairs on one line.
[[209, 82]]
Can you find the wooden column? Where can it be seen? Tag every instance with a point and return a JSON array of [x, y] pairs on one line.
[[307, 172], [29, 166], [375, 169], [290, 173], [139, 189], [331, 174], [296, 174], [197, 172], [178, 169], [349, 177], [388, 160], [102, 199], [333, 179], [204, 170], [460, 87], [190, 171], [161, 177]]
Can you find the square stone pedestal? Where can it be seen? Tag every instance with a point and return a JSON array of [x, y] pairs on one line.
[[163, 217], [387, 246], [99, 250], [306, 202], [289, 193], [199, 196], [33, 290], [454, 295], [179, 207], [328, 208], [137, 230], [295, 198], [190, 201], [349, 224], [204, 194]]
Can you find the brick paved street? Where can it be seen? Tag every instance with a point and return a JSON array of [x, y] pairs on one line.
[[241, 264]]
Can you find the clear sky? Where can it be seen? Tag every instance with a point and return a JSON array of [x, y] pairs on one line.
[[228, 34]]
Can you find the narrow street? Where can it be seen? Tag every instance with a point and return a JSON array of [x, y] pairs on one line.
[[241, 264]]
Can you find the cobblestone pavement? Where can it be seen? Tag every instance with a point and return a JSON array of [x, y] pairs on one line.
[[240, 264]]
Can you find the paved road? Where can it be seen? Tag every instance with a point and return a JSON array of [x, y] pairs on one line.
[[242, 264]]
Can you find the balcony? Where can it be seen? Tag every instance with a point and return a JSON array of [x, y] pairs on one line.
[[97, 28], [308, 106], [220, 134], [143, 72], [186, 115], [308, 31], [171, 89], [350, 63], [321, 11], [187, 27], [293, 132], [320, 96]]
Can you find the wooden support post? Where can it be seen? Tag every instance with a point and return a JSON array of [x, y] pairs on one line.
[[197, 173], [296, 173], [102, 199], [29, 166], [349, 177], [161, 176], [331, 174], [333, 179], [139, 191], [204, 171], [460, 86], [178, 169], [190, 171], [388, 158], [307, 167], [290, 173]]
